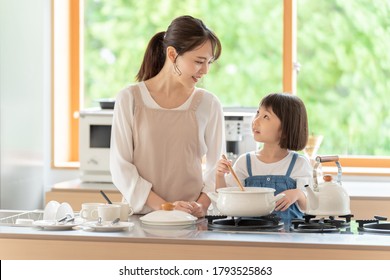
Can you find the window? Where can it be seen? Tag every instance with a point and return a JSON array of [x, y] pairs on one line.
[[116, 34]]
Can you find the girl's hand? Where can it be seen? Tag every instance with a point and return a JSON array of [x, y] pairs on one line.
[[291, 196], [223, 167]]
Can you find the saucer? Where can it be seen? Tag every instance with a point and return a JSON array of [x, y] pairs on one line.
[[54, 225], [106, 226]]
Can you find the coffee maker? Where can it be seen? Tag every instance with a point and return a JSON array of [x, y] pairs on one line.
[[238, 131]]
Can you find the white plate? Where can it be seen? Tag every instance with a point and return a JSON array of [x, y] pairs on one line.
[[54, 225], [171, 218], [182, 223], [63, 210], [106, 226], [51, 210]]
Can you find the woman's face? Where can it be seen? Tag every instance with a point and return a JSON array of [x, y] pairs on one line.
[[266, 126], [194, 64]]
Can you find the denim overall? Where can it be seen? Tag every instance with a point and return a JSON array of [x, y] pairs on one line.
[[278, 182]]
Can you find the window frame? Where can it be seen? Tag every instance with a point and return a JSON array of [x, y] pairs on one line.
[[73, 12]]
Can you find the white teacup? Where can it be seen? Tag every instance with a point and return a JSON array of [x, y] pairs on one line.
[[108, 212], [89, 210], [126, 210]]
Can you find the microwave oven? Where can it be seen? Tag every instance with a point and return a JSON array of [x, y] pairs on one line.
[[94, 145], [95, 135]]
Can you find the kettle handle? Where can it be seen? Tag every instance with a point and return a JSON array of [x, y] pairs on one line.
[[319, 160], [327, 158]]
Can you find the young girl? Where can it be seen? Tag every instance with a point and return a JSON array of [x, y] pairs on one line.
[[281, 125]]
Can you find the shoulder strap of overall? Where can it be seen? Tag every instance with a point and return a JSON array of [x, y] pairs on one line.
[[292, 163], [248, 164]]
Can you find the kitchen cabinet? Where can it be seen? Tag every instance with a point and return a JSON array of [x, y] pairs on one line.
[[75, 193], [193, 242]]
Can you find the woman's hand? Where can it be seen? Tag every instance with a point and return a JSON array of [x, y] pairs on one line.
[[194, 208], [183, 206], [197, 209]]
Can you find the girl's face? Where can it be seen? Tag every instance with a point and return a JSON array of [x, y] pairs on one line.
[[194, 64], [266, 126]]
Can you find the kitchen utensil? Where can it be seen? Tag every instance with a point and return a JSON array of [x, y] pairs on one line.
[[106, 226], [106, 103], [234, 175], [64, 210], [115, 221], [50, 211], [168, 218], [105, 197], [252, 202], [54, 225], [67, 218], [109, 212], [328, 198], [87, 212], [126, 210]]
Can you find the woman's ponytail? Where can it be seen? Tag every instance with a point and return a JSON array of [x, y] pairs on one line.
[[154, 58]]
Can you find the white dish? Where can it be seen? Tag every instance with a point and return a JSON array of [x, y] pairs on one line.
[[173, 218], [50, 211], [54, 225], [106, 226], [63, 210]]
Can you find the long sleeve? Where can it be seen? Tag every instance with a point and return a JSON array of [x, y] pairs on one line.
[[214, 139], [124, 173]]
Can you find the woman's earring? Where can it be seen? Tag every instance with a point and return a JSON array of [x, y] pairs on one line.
[[177, 70]]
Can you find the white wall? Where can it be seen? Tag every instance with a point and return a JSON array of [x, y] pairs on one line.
[[25, 114]]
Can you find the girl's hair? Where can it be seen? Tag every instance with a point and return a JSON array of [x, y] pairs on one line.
[[185, 33], [293, 117]]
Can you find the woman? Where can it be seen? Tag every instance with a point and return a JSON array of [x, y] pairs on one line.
[[164, 124]]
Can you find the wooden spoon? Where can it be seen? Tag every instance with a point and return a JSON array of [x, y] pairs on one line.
[[234, 175]]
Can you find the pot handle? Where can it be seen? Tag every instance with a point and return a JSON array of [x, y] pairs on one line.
[[277, 197]]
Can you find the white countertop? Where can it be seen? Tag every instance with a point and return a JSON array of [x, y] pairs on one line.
[[198, 234]]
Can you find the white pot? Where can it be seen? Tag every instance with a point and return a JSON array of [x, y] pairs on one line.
[[252, 202]]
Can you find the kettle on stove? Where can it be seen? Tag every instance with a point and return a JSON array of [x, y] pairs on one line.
[[328, 198]]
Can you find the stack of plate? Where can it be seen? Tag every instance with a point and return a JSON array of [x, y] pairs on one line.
[[168, 218]]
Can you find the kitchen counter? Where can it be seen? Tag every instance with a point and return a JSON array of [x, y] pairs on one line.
[[193, 242]]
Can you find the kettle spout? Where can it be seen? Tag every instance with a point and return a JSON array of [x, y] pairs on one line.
[[313, 200]]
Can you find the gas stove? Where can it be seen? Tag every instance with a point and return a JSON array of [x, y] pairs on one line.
[[269, 223], [330, 224], [308, 224]]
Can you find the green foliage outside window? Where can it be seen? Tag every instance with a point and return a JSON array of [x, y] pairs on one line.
[[342, 48]]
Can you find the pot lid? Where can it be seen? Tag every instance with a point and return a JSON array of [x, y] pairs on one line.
[[174, 217], [247, 190]]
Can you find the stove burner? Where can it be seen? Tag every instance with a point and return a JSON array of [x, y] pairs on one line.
[[323, 225], [374, 225], [264, 223]]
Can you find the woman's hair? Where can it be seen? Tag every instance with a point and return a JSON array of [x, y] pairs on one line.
[[185, 34], [293, 117]]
